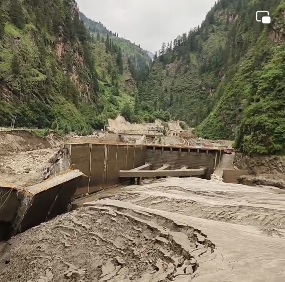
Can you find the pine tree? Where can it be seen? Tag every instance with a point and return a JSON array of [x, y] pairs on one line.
[[16, 14], [108, 43], [155, 56], [95, 84], [15, 65], [120, 61], [163, 49], [137, 105], [127, 112], [80, 29], [2, 23]]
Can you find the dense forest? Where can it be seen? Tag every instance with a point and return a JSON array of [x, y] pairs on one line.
[[55, 73], [122, 66], [226, 77], [47, 72]]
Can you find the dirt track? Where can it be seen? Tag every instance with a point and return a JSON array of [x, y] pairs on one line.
[[171, 230]]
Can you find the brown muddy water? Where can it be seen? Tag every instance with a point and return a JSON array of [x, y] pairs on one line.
[[175, 229]]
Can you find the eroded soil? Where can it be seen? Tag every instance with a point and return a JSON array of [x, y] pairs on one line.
[[26, 162], [24, 156], [169, 230]]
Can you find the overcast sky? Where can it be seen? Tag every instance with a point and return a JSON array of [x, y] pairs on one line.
[[147, 22]]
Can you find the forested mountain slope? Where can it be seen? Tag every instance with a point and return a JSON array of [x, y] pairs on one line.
[[226, 76], [55, 74], [47, 72], [139, 59], [121, 66]]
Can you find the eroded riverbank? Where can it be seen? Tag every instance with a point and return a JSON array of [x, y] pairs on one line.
[[169, 230]]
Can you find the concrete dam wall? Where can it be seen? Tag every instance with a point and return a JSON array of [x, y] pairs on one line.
[[93, 167], [178, 157], [101, 163], [23, 208]]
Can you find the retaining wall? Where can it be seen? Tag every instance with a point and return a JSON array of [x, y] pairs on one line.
[[231, 175], [178, 157], [101, 163], [47, 200], [24, 208], [9, 204]]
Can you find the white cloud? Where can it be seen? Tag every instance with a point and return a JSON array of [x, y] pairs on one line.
[[147, 22]]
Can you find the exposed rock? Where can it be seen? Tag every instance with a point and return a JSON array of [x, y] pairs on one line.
[[258, 164]]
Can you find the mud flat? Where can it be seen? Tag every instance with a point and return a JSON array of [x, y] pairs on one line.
[[170, 230]]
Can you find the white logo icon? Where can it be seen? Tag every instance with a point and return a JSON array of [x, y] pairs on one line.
[[263, 19]]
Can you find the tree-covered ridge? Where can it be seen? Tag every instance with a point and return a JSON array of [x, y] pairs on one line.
[[214, 76], [139, 62], [47, 72], [95, 27], [251, 109], [122, 66], [55, 74]]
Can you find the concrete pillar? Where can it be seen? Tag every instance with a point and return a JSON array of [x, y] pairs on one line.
[[216, 156], [139, 181]]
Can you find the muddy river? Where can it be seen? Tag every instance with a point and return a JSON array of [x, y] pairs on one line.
[[168, 230]]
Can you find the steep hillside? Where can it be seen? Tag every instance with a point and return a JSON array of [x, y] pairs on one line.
[[226, 77], [94, 27], [55, 74], [47, 74], [117, 87], [252, 107], [121, 67], [139, 60]]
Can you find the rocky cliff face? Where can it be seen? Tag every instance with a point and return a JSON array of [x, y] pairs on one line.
[[262, 170], [257, 164]]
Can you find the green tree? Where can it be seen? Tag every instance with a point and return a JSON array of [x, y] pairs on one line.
[[16, 14], [15, 65], [119, 61], [2, 23], [127, 112]]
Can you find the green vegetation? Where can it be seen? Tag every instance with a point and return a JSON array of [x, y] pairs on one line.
[[226, 78], [45, 66], [137, 60], [62, 71], [55, 74], [122, 66], [251, 108]]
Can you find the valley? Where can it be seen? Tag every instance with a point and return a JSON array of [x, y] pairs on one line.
[[117, 164]]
